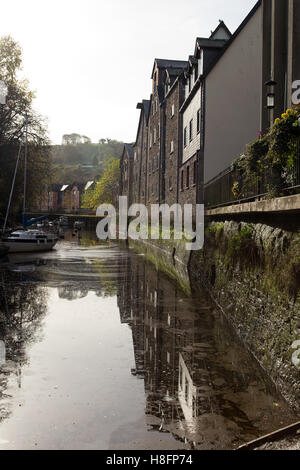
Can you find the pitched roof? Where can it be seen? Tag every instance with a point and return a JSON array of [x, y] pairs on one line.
[[235, 34], [169, 64], [221, 25], [145, 105], [209, 43]]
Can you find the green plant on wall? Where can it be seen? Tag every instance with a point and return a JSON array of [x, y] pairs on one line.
[[274, 155]]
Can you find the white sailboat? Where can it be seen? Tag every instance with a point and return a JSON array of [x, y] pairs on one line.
[[26, 240]]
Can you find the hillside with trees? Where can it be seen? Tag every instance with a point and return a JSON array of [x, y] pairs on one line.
[[78, 159]]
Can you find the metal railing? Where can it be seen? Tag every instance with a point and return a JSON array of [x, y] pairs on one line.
[[220, 191]]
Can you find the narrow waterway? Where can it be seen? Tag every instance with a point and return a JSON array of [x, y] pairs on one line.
[[98, 350]]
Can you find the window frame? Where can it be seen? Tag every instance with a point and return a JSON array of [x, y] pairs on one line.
[[188, 177], [191, 130], [198, 121]]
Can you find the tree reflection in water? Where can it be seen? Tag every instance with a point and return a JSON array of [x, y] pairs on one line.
[[23, 306]]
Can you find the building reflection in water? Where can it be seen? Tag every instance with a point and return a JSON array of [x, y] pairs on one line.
[[200, 383]]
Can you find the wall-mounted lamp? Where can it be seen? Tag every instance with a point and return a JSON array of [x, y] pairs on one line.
[[270, 94], [271, 100]]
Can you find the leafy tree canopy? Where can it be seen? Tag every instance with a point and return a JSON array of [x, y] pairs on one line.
[[104, 192]]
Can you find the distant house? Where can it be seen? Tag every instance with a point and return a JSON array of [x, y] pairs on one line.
[[53, 200], [66, 197], [70, 196]]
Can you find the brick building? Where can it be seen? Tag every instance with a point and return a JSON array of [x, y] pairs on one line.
[[157, 126], [174, 95], [204, 111]]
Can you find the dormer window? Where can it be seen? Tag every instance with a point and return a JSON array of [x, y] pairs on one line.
[[200, 63]]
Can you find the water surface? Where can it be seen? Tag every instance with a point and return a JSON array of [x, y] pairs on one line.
[[101, 351]]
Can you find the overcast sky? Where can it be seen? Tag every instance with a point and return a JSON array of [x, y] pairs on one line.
[[90, 61]]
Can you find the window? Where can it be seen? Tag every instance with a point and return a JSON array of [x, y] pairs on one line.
[[198, 121], [172, 146], [154, 135], [170, 183], [187, 176], [184, 137], [191, 130], [135, 156], [173, 110], [195, 73], [190, 83], [158, 130], [182, 179], [195, 173]]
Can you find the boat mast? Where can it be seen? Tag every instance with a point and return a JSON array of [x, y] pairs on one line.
[[12, 187], [25, 164]]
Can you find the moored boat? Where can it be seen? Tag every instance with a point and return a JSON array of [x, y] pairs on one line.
[[22, 241]]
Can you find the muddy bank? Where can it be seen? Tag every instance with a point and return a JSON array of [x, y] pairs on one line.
[[253, 272]]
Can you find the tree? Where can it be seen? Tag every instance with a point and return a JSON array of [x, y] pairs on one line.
[[12, 117], [104, 192]]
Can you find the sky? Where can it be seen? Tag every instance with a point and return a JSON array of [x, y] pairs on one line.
[[90, 61]]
